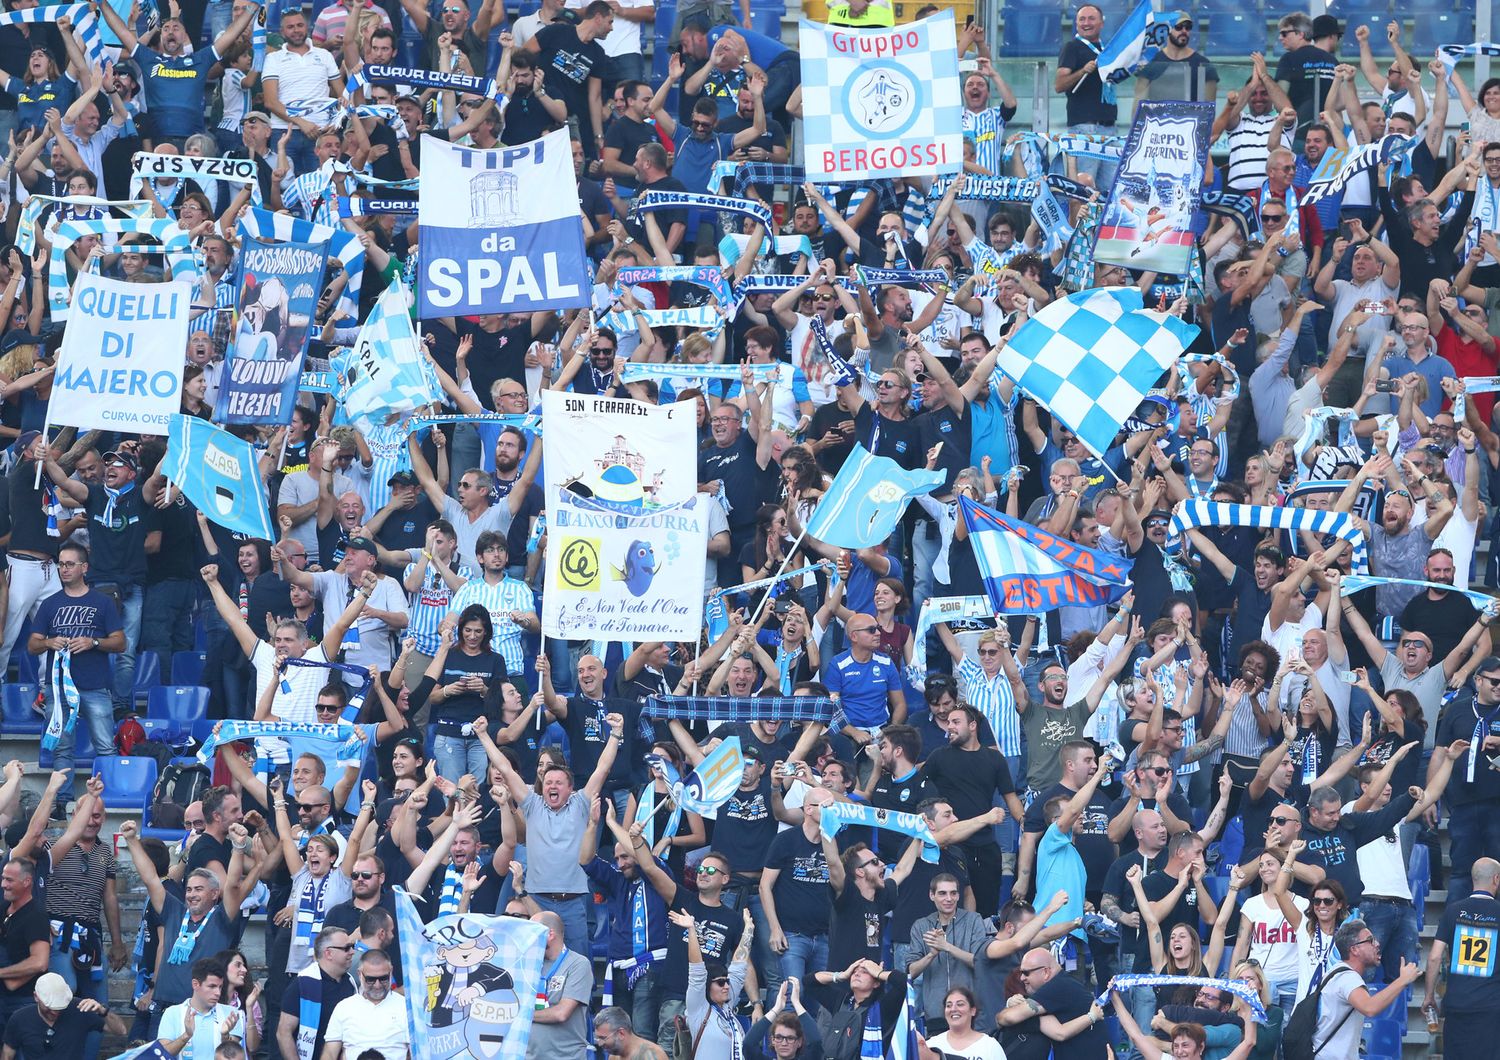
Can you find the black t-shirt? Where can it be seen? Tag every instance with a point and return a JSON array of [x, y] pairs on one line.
[[899, 440], [857, 922], [525, 120], [569, 63], [407, 527], [772, 138], [177, 558], [28, 517], [1445, 621], [826, 417], [804, 898], [955, 431], [1175, 802], [1156, 887], [206, 849], [1085, 102], [1300, 69], [719, 929], [346, 916], [32, 1039], [1116, 884], [1090, 838], [1471, 930], [496, 355], [629, 136], [665, 219], [771, 751], [460, 708], [742, 476], [1335, 850], [1067, 999], [745, 827], [18, 931], [588, 734], [1457, 722], [969, 780]]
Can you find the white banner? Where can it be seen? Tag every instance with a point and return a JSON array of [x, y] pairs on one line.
[[881, 102], [626, 527], [120, 367], [148, 164]]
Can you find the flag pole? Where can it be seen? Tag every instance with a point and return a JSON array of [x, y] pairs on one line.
[[785, 561]]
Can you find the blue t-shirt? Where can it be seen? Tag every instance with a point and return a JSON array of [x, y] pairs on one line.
[[862, 687], [35, 100], [859, 594], [696, 159], [763, 50], [175, 89], [1059, 867], [91, 615]]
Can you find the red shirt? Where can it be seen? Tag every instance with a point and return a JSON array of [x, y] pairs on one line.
[[1469, 358]]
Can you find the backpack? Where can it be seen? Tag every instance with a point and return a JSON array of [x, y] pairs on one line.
[[1297, 1034], [179, 784], [129, 734]]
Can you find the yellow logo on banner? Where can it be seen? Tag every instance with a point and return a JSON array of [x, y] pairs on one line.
[[578, 564]]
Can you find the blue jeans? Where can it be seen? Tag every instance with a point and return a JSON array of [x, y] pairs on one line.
[[575, 917], [132, 600], [167, 625], [805, 954], [457, 755], [1395, 926], [97, 712]]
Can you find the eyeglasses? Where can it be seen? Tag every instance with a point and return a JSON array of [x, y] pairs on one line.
[[867, 864], [702, 124], [722, 981], [1488, 679], [787, 1038], [989, 651], [865, 629], [1172, 728], [328, 708], [375, 980], [1361, 942], [309, 807], [363, 875], [1024, 972], [347, 947], [1409, 642], [602, 351], [1272, 218], [886, 384], [1327, 901]]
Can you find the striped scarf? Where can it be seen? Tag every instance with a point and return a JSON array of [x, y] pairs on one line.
[[187, 938], [1473, 384], [453, 890], [309, 1010], [311, 909], [65, 700], [742, 708], [1198, 513]]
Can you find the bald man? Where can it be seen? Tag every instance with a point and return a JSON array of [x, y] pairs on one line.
[[1050, 1001], [558, 1031], [582, 716], [1118, 898], [866, 682], [1469, 931]]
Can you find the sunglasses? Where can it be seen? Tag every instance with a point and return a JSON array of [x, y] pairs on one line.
[[376, 980], [1327, 901], [710, 870], [363, 875], [1281, 822]]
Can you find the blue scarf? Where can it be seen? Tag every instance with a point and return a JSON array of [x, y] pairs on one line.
[[453, 890], [187, 938], [1243, 991], [311, 908], [113, 498], [309, 1010], [65, 700], [872, 1044]]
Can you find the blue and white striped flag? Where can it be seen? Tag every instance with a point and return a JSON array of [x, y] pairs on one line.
[[85, 26], [386, 372], [1026, 570], [472, 982], [65, 700], [1091, 357], [867, 499], [1193, 514]]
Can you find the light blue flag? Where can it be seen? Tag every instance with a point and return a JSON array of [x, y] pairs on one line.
[[220, 474], [472, 982], [867, 499], [386, 373], [709, 786], [645, 811], [1133, 45]]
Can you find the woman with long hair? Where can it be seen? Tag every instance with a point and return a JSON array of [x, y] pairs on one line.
[[1266, 936], [1268, 1036], [1263, 480], [961, 1039], [241, 992], [1182, 952], [1328, 909], [467, 678], [194, 390]]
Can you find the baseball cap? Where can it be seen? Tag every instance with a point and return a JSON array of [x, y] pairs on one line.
[[116, 457], [403, 478], [52, 990], [1176, 18], [256, 115], [1489, 666], [752, 751], [23, 443], [17, 337], [361, 544]]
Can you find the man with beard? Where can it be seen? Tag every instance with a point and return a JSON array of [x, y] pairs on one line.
[[531, 111], [1179, 70], [370, 892], [637, 917], [1444, 616]]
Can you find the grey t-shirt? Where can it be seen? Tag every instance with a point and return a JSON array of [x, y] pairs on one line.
[[568, 975], [1428, 686], [552, 844], [1341, 980], [302, 488], [174, 982], [1401, 555], [497, 518], [1047, 729]]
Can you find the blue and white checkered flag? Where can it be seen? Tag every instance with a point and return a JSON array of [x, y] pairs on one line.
[[1090, 358], [385, 373]]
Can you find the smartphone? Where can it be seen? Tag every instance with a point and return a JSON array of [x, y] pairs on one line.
[[968, 22], [1345, 232], [1385, 386], [1349, 677]]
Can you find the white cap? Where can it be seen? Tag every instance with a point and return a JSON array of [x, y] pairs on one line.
[[52, 990]]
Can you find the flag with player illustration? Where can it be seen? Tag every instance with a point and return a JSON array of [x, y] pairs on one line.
[[1148, 217], [472, 982]]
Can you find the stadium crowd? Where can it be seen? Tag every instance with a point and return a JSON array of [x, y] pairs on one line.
[[1243, 772]]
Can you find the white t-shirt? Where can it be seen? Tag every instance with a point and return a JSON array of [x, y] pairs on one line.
[[358, 1024], [820, 387], [982, 1048], [1382, 869], [1273, 942], [369, 642], [299, 78], [1348, 295], [299, 684], [207, 1029], [1288, 636]]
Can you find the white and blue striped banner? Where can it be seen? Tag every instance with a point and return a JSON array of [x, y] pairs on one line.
[[163, 230], [1193, 514]]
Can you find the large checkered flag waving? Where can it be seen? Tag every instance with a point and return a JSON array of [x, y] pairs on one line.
[[1090, 358]]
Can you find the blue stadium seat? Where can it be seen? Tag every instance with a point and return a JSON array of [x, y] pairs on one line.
[[128, 781], [1354, 13], [83, 749], [1030, 33], [177, 702], [1419, 871], [147, 674], [1203, 8], [1382, 1037], [1235, 34], [766, 20], [200, 633], [187, 667], [528, 7], [1432, 29], [1232, 843], [16, 715], [1217, 887], [27, 664]]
